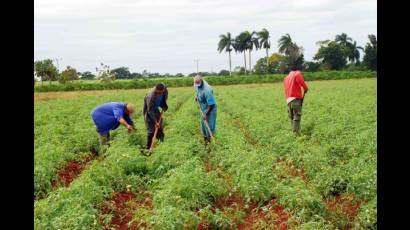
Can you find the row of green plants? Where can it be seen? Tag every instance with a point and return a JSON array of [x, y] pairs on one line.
[[337, 148], [253, 135], [182, 82], [256, 175], [64, 131], [173, 176]]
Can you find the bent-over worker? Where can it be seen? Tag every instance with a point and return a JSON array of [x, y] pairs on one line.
[[109, 116]]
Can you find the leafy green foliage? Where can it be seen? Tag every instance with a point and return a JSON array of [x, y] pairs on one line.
[[370, 53], [256, 156], [333, 55], [121, 73], [67, 75], [367, 216], [46, 70], [87, 76]]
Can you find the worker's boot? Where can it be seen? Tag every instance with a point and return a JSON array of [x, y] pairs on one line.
[[296, 127], [206, 140]]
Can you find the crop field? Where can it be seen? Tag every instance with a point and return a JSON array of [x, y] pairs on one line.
[[257, 175]]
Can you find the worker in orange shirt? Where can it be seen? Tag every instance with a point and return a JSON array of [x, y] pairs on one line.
[[294, 83]]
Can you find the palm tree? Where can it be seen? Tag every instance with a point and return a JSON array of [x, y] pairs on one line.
[[285, 44], [292, 51], [264, 42], [241, 44], [343, 39], [373, 41], [295, 52], [226, 43], [354, 55], [252, 42]]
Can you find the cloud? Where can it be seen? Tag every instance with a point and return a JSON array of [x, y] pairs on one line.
[[165, 36]]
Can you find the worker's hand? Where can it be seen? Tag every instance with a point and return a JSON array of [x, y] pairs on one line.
[[157, 125], [204, 116], [130, 128], [306, 91]]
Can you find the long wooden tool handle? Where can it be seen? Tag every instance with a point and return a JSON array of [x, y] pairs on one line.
[[155, 134], [209, 130], [206, 124]]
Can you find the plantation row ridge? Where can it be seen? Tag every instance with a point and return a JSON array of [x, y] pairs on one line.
[[204, 158], [79, 85]]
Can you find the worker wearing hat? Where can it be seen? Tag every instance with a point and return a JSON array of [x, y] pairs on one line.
[[205, 98]]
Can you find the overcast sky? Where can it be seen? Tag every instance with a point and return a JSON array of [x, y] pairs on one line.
[[166, 36]]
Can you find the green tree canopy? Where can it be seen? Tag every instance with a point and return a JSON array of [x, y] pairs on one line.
[[46, 70], [310, 66], [224, 72], [370, 53], [87, 76], [332, 55], [67, 75], [121, 73]]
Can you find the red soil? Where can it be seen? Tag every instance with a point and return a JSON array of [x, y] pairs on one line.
[[72, 170], [253, 214], [236, 200], [122, 210], [344, 205], [282, 216], [275, 212], [292, 170], [202, 226], [208, 166]]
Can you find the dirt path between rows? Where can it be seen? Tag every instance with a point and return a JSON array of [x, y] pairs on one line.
[[73, 169]]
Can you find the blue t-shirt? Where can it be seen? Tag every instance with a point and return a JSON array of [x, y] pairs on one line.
[[205, 96], [106, 117], [158, 100]]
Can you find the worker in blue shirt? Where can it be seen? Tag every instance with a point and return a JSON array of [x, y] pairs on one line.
[[207, 103], [109, 116], [156, 98]]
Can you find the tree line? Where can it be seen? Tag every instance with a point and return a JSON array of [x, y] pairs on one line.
[[342, 53]]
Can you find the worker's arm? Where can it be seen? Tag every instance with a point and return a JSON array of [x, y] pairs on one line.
[[151, 109], [211, 104], [129, 121], [124, 122], [119, 116], [205, 114], [301, 81], [210, 108], [164, 104]]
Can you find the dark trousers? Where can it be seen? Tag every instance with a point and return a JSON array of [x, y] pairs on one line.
[[160, 137]]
